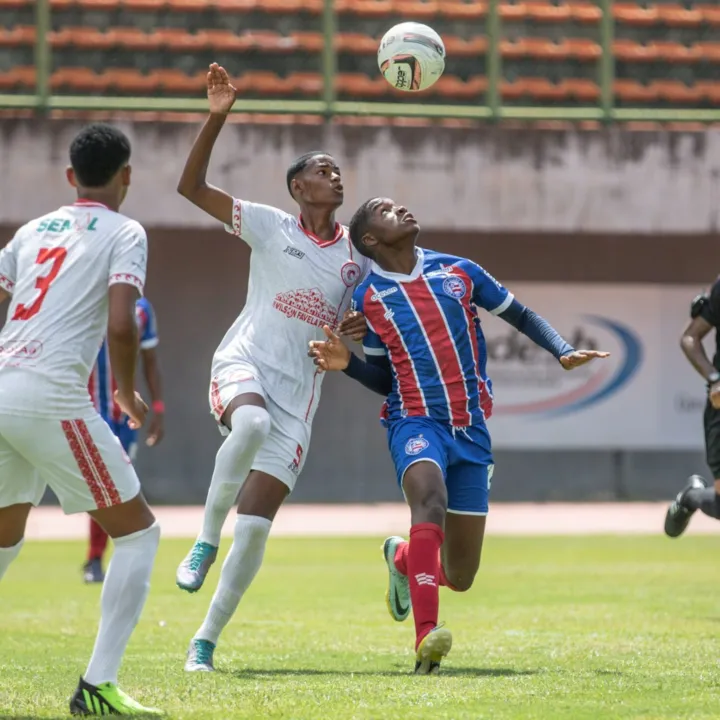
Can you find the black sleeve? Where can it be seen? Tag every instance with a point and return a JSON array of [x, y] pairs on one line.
[[710, 305], [374, 373], [536, 328]]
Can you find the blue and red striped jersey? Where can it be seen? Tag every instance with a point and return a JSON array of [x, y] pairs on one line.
[[102, 384], [427, 325]]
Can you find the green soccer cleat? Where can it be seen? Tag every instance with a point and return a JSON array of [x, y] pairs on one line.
[[194, 568], [106, 699], [397, 596], [431, 650]]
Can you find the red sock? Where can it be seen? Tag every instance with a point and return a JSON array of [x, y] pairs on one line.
[[423, 565], [98, 541], [401, 557]]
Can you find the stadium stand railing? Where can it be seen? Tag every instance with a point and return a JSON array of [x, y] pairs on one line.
[[570, 60]]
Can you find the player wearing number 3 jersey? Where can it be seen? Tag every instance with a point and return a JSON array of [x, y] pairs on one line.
[[72, 274]]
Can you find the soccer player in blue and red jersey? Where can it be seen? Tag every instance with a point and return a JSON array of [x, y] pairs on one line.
[[102, 390], [426, 352]]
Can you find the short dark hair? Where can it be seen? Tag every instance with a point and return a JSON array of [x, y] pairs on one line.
[[97, 153], [299, 164], [359, 226]]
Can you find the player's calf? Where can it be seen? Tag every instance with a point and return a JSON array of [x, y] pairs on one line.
[[13, 519]]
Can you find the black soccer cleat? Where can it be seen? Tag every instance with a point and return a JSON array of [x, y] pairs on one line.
[[678, 514]]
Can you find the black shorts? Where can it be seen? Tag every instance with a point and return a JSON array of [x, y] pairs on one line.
[[711, 420]]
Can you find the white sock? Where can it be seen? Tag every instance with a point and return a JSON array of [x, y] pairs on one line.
[[250, 426], [125, 589], [238, 570], [7, 555]]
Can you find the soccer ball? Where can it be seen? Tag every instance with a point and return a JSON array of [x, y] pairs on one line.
[[411, 56]]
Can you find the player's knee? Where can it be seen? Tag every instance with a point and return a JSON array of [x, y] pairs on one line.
[[252, 422], [460, 581]]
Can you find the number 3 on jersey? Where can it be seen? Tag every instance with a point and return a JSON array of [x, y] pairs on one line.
[[57, 257]]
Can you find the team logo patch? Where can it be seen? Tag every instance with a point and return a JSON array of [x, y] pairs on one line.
[[350, 273], [454, 287], [416, 445]]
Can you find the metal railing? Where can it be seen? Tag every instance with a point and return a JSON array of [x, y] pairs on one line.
[[327, 105]]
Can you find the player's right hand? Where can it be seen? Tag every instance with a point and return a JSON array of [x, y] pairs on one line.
[[221, 94], [134, 407], [330, 354], [714, 395]]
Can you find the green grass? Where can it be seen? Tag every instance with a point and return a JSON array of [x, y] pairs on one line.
[[576, 628]]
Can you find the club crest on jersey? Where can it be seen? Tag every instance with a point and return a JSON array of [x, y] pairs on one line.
[[416, 445], [350, 273], [454, 287]]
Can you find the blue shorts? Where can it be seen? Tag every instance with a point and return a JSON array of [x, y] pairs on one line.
[[463, 455], [127, 437]]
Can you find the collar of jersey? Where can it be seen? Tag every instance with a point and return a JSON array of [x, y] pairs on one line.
[[81, 202], [400, 277], [339, 230]]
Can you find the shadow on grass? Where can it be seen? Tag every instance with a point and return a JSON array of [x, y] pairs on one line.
[[254, 674]]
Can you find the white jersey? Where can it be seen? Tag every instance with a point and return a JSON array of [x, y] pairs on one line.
[[58, 269], [298, 283]]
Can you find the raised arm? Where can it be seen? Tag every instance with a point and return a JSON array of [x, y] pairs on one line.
[[703, 319], [193, 183]]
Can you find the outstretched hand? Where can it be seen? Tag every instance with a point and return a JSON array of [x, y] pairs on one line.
[[353, 325], [581, 357], [330, 354], [221, 94]]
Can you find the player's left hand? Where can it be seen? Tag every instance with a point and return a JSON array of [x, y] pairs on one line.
[[580, 357], [331, 354], [353, 325], [156, 431]]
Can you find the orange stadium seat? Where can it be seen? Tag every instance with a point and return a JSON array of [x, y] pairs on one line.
[[585, 11], [513, 13], [15, 4], [460, 47], [179, 83], [360, 85], [513, 90], [710, 90], [19, 35], [633, 14], [546, 12], [710, 12], [631, 51], [179, 40], [265, 83], [281, 7], [458, 10], [311, 42], [676, 15], [145, 5], [65, 4], [104, 5], [674, 52], [416, 9], [226, 41], [370, 8], [582, 49], [81, 37], [708, 51], [451, 86], [235, 6], [78, 80], [582, 90], [633, 91], [181, 6], [306, 83], [23, 77], [133, 39], [131, 81], [677, 92], [353, 42], [544, 89]]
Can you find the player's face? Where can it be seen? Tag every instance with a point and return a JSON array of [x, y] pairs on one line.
[[319, 183], [390, 223]]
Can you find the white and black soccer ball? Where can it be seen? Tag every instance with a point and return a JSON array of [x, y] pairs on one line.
[[411, 56]]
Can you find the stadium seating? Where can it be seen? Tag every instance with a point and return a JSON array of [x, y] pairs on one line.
[[666, 53]]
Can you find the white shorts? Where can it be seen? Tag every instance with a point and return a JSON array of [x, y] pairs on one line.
[[81, 460], [283, 453]]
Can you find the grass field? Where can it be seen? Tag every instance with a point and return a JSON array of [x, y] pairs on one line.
[[555, 628]]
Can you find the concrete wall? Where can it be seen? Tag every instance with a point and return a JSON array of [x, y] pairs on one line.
[[198, 281], [475, 179]]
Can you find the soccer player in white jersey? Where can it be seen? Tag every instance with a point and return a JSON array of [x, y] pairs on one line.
[[72, 274], [264, 389]]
